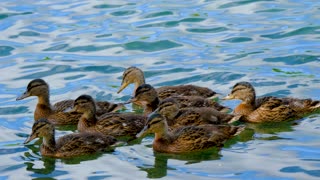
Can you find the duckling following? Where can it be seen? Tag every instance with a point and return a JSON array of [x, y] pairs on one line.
[[115, 124], [269, 109], [70, 145], [135, 75], [56, 114], [177, 117], [147, 97], [188, 138]]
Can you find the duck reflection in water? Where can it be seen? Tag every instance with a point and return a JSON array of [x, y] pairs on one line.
[[49, 163], [160, 167]]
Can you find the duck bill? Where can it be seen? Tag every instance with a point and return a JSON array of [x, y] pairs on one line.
[[30, 138], [228, 97], [143, 132], [123, 85], [22, 96]]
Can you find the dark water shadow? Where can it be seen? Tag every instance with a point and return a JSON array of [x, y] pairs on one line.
[[48, 170], [160, 167], [298, 169], [272, 127], [270, 131]]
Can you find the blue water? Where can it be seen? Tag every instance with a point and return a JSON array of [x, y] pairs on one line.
[[83, 47]]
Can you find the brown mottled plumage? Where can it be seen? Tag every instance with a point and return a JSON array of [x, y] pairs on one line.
[[115, 124], [187, 138], [135, 75], [147, 97], [57, 113], [69, 145], [176, 117], [269, 109]]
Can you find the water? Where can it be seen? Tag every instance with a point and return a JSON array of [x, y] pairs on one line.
[[84, 46]]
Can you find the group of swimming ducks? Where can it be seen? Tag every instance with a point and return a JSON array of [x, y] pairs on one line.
[[183, 118]]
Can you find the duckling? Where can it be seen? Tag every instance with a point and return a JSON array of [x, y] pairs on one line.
[[269, 109], [147, 97], [188, 138], [135, 75], [115, 124], [56, 113], [177, 117], [70, 145]]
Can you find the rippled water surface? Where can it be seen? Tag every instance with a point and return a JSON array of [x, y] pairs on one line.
[[83, 46]]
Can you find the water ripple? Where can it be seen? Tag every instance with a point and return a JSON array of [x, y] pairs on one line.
[[294, 59], [151, 46], [5, 50], [301, 31], [207, 30], [172, 23], [158, 14], [240, 3]]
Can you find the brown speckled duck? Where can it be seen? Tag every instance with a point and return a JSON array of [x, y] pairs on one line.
[[70, 145], [269, 109], [177, 117], [147, 97], [188, 138], [115, 124], [56, 113], [135, 75]]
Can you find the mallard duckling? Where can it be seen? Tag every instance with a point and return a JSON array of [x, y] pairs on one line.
[[115, 124], [176, 117], [269, 109], [69, 145], [135, 75], [56, 113], [147, 97], [188, 138]]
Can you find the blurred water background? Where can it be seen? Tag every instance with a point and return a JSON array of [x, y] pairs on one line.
[[83, 46]]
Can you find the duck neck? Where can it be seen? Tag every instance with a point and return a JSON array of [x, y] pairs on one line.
[[87, 120], [49, 143], [44, 99], [152, 106], [246, 106], [163, 134], [138, 82], [43, 108]]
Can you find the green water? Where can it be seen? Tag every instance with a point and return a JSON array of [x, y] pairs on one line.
[[82, 47]]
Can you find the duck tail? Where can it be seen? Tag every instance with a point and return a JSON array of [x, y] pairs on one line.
[[303, 106], [317, 104], [119, 143], [215, 97], [312, 105], [236, 130], [235, 119]]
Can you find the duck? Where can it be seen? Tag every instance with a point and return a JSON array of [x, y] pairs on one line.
[[176, 117], [114, 124], [134, 75], [59, 113], [187, 138], [71, 145], [268, 108], [147, 97]]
